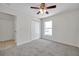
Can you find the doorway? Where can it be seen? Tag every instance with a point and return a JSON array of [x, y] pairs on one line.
[[7, 30]]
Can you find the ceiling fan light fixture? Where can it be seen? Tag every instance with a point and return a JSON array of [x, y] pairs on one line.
[[42, 11], [43, 8]]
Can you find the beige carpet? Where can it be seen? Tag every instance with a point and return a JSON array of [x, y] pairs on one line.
[[41, 48]]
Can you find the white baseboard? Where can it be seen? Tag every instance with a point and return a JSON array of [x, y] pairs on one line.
[[66, 43], [21, 43]]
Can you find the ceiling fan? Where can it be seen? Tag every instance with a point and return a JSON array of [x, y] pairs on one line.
[[43, 8]]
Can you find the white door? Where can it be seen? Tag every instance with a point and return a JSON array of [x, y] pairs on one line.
[[35, 29], [7, 27]]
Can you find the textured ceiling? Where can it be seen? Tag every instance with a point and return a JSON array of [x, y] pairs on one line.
[[25, 7]]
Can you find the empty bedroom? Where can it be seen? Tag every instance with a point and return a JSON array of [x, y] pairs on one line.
[[39, 29]]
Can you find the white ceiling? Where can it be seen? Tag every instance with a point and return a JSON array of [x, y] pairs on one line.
[[25, 7]]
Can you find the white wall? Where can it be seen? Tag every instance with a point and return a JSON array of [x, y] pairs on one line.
[[23, 24], [66, 27]]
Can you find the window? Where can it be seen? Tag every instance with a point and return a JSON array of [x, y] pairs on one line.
[[48, 28]]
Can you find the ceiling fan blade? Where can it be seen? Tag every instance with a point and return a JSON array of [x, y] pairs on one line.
[[35, 7], [38, 12], [47, 12], [50, 7]]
